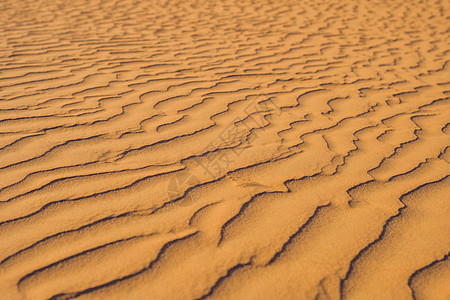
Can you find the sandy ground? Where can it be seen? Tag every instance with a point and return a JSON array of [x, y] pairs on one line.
[[224, 149]]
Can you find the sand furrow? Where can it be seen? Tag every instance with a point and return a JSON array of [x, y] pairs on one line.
[[224, 149]]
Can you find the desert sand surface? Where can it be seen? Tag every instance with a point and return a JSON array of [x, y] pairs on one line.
[[224, 149]]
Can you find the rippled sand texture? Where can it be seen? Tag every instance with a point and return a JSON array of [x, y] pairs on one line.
[[224, 149]]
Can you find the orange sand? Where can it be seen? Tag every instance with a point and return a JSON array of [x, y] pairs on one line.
[[224, 149]]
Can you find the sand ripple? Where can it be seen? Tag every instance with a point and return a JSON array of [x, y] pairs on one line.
[[224, 149]]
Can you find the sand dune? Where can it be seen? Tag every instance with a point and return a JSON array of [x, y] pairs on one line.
[[224, 149]]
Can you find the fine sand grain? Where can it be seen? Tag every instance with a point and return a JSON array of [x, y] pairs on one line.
[[206, 149]]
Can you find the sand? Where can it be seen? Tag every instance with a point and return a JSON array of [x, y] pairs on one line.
[[224, 149]]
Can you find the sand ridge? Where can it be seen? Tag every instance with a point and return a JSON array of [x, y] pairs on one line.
[[224, 149]]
